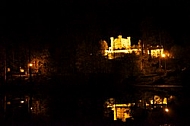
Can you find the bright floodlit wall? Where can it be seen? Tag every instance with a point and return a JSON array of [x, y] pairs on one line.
[[156, 52], [120, 43]]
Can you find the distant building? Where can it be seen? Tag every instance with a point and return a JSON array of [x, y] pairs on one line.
[[121, 46]]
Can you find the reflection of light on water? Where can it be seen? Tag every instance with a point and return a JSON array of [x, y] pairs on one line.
[[158, 100], [120, 105], [8, 103], [166, 110], [151, 101], [21, 101], [121, 111]]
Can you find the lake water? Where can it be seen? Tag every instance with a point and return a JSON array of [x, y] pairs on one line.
[[55, 103]]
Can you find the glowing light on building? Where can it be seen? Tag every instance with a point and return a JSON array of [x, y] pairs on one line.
[[123, 45], [21, 101], [163, 55], [22, 70]]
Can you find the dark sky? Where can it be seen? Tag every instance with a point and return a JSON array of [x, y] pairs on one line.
[[49, 19]]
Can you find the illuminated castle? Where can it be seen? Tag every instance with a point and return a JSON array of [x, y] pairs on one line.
[[121, 46]]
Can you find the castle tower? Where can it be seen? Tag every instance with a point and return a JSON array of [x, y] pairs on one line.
[[129, 42]]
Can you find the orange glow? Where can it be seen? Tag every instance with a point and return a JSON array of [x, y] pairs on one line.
[[8, 69], [123, 45], [30, 64], [163, 55], [165, 101], [8, 103], [21, 101], [21, 70], [166, 110]]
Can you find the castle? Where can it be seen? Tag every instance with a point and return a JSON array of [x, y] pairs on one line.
[[121, 46]]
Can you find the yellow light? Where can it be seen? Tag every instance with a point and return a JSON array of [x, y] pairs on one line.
[[21, 70], [30, 64], [129, 104], [109, 106], [8, 69], [163, 55], [21, 101], [151, 101], [166, 110], [165, 101], [8, 103], [121, 105]]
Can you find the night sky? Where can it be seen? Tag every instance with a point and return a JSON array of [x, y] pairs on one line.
[[50, 20]]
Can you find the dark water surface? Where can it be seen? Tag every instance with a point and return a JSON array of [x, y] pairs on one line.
[[61, 104]]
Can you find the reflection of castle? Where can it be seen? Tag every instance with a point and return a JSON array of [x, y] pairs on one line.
[[121, 111], [125, 111], [121, 46]]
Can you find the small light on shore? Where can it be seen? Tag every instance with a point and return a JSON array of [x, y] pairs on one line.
[[30, 64], [166, 110]]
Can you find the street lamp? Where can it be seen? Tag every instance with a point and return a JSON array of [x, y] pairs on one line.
[[30, 70]]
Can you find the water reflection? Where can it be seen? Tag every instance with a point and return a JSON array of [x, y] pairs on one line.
[[121, 111], [60, 106], [14, 107]]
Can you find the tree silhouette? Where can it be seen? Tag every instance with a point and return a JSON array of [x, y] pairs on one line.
[[126, 67], [153, 34], [149, 32], [103, 46], [41, 62], [89, 60]]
